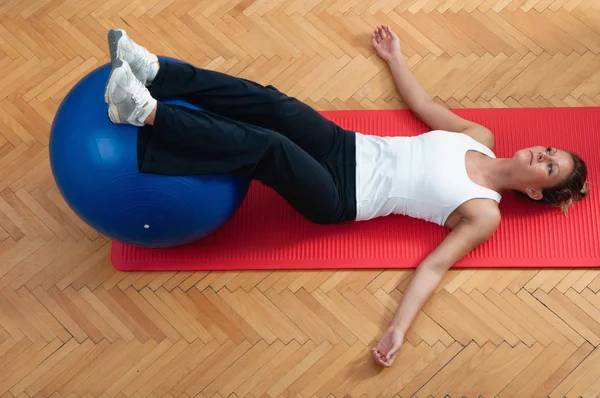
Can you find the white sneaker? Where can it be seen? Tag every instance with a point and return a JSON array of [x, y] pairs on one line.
[[143, 64], [129, 101]]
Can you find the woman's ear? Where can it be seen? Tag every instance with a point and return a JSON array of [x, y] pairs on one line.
[[534, 193]]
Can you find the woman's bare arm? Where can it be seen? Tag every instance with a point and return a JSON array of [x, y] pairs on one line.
[[436, 116], [467, 235]]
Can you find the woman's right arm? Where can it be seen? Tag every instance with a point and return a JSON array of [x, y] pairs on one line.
[[436, 116], [466, 236]]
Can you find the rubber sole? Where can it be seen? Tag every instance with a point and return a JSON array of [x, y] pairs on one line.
[[114, 36], [112, 108]]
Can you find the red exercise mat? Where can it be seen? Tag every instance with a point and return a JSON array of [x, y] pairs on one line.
[[266, 233]]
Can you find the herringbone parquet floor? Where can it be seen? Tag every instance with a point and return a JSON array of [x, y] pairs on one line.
[[72, 326]]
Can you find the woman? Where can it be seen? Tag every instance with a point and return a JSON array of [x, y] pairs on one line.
[[449, 176]]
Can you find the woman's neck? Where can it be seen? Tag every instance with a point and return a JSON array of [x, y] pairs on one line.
[[499, 174]]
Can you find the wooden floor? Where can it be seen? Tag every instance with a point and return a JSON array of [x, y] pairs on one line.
[[72, 326]]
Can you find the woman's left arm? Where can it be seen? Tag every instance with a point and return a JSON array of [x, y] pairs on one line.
[[468, 234]]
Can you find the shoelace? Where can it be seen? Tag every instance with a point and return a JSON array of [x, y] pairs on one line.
[[141, 55], [138, 92]]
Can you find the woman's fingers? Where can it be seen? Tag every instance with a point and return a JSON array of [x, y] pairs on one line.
[[374, 40], [377, 356], [383, 32], [380, 359], [390, 31]]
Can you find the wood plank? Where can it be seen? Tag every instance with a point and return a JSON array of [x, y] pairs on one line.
[[73, 326]]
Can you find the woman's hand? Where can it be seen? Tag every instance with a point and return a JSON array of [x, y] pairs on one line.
[[386, 43], [389, 345]]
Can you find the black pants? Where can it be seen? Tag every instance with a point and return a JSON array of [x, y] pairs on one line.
[[251, 131]]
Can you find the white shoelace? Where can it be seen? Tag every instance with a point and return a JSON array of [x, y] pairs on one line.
[[139, 92], [142, 55]]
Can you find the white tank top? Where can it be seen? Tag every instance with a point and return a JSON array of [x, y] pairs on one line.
[[423, 176]]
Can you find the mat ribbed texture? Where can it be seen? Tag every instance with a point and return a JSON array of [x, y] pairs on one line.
[[267, 234]]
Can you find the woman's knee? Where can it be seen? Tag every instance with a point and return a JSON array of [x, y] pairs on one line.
[[281, 104]]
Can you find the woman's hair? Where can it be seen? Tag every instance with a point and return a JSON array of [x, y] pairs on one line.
[[572, 189]]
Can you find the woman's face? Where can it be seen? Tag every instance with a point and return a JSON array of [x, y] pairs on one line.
[[541, 167]]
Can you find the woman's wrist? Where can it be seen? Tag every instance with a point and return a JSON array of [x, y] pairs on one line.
[[397, 327], [396, 59]]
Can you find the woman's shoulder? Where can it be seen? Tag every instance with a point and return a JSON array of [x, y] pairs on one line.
[[482, 135]]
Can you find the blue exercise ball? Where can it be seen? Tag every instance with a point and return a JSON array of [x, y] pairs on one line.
[[94, 163]]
